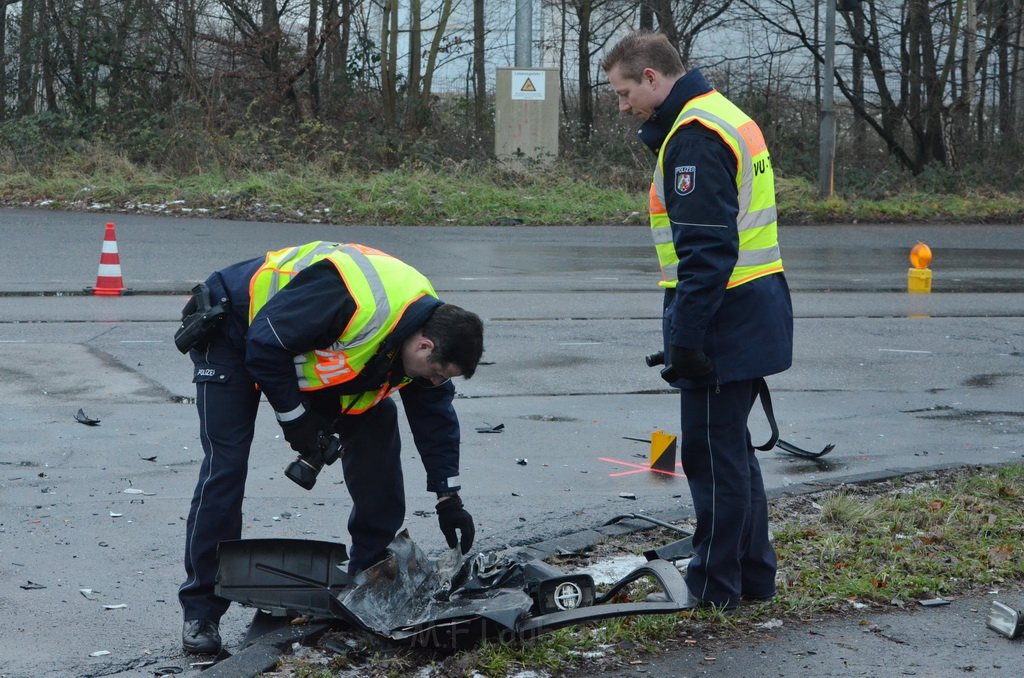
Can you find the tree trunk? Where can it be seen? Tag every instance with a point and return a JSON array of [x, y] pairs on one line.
[[583, 13], [1002, 41], [667, 21], [389, 61], [479, 68], [48, 69], [818, 62], [270, 38], [188, 16], [646, 15], [980, 116], [435, 49], [3, 50], [26, 100], [1017, 91], [335, 75], [857, 81], [415, 48], [313, 71], [114, 59], [563, 42]]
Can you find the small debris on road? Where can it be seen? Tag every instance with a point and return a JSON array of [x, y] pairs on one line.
[[490, 429], [30, 585], [82, 418]]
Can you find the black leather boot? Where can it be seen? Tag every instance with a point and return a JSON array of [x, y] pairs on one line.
[[199, 636]]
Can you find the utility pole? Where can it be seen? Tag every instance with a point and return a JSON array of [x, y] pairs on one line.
[[524, 33], [827, 132]]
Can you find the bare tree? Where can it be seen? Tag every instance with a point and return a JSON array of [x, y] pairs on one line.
[[910, 54], [338, 33], [930, 81], [683, 21], [594, 23]]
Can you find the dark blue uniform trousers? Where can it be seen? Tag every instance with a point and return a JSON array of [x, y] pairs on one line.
[[227, 401], [734, 556]]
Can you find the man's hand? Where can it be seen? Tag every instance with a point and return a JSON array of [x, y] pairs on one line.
[[451, 516], [304, 433], [689, 363]]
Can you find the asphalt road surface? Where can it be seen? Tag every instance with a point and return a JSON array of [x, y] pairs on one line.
[[92, 517]]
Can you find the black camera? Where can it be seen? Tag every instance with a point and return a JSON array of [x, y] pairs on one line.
[[667, 372], [304, 470], [655, 359]]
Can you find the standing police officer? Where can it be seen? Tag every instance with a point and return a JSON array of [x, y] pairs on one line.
[[728, 319], [326, 332]]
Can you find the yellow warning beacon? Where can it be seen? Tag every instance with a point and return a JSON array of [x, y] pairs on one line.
[[919, 276]]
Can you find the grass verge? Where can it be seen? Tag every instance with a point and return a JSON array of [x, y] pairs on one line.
[[883, 545], [470, 194]]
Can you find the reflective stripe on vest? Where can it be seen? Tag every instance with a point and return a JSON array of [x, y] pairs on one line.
[[757, 220], [381, 286]]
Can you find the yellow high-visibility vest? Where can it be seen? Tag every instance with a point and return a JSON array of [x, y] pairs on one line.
[[382, 287], [757, 221]]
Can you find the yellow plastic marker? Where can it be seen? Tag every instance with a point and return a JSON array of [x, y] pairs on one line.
[[919, 276], [663, 451]]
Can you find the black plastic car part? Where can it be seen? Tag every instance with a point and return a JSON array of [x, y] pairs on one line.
[[451, 602]]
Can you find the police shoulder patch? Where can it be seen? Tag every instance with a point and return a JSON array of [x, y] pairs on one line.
[[686, 179]]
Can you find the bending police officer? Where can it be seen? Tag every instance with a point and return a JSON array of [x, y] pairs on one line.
[[326, 332]]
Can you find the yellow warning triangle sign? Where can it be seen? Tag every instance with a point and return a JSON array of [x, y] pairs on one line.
[[528, 86]]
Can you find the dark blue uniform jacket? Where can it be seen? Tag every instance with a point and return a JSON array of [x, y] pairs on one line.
[[746, 331], [310, 313]]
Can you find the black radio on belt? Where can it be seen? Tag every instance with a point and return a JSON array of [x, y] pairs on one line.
[[198, 317]]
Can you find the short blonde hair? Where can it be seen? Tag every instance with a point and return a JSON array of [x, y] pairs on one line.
[[640, 50]]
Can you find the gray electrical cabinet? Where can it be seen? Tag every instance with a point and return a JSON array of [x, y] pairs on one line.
[[526, 104]]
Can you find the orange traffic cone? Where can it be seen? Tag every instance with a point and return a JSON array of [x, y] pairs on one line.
[[108, 278]]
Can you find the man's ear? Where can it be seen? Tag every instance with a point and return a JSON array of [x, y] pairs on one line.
[[423, 342], [650, 75]]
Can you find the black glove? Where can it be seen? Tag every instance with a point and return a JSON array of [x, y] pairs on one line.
[[452, 516], [691, 363], [304, 433]]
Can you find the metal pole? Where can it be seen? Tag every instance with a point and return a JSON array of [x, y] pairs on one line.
[[827, 132], [524, 33]]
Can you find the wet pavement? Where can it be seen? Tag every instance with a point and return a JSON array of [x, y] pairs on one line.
[[899, 382]]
